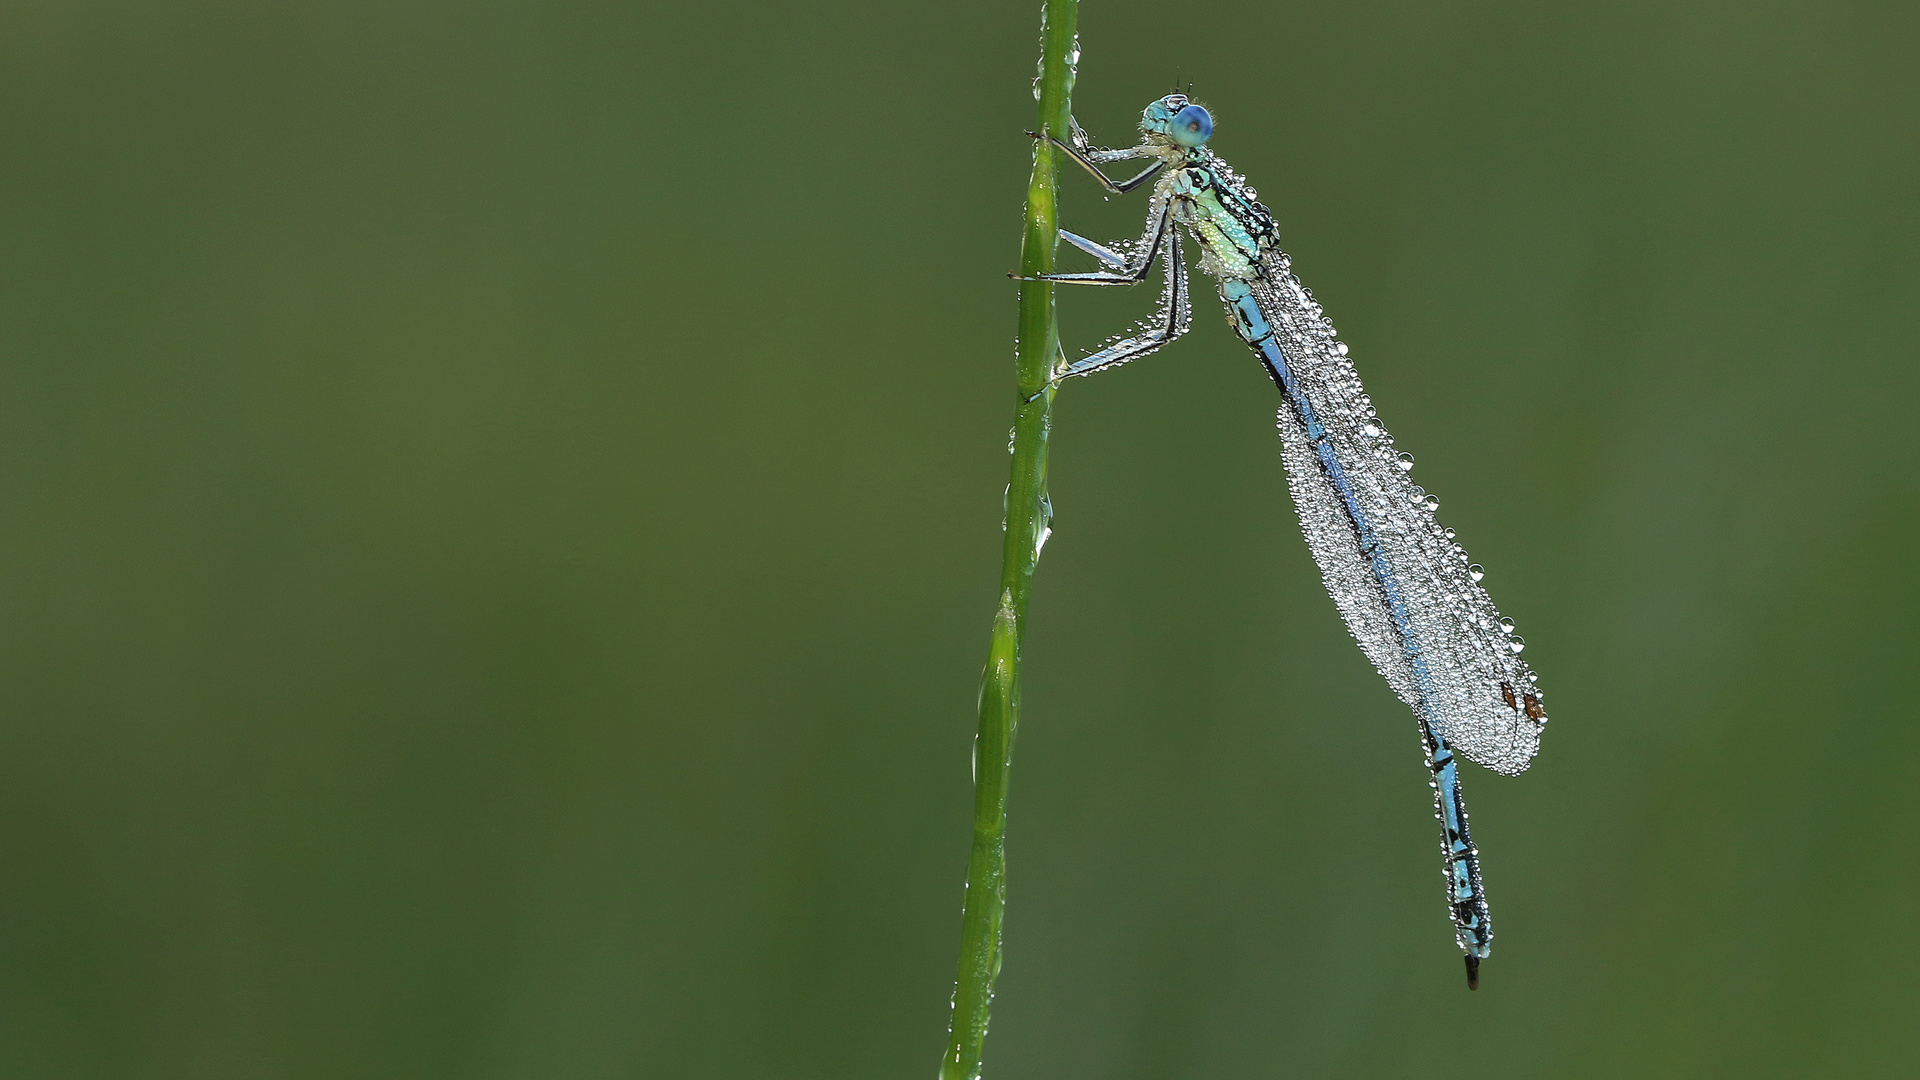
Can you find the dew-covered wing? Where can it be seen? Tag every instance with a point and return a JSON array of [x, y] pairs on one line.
[[1416, 606]]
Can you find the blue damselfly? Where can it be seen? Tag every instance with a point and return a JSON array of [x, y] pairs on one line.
[[1405, 588]]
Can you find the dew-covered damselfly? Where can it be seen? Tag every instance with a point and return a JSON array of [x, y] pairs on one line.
[[1406, 589]]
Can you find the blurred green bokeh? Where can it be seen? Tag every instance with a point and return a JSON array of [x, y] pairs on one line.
[[499, 519]]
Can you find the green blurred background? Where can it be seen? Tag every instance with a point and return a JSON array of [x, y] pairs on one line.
[[499, 521]]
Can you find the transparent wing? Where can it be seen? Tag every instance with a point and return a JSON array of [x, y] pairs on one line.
[[1407, 591]]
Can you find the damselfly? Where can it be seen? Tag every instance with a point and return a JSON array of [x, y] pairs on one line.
[[1406, 590]]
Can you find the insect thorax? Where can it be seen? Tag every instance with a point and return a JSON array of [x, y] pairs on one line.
[[1220, 211]]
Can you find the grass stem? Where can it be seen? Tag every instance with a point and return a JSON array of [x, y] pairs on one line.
[[1029, 514]]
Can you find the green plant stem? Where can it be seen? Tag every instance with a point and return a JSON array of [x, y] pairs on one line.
[[1028, 515]]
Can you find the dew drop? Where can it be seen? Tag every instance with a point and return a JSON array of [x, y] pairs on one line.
[[1474, 573], [1506, 626], [1341, 348], [1516, 643], [1405, 462]]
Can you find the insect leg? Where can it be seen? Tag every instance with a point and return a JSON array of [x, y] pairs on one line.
[[1129, 271], [1099, 251], [1089, 159], [1176, 317]]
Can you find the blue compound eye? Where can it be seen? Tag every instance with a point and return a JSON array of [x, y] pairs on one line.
[[1192, 126]]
